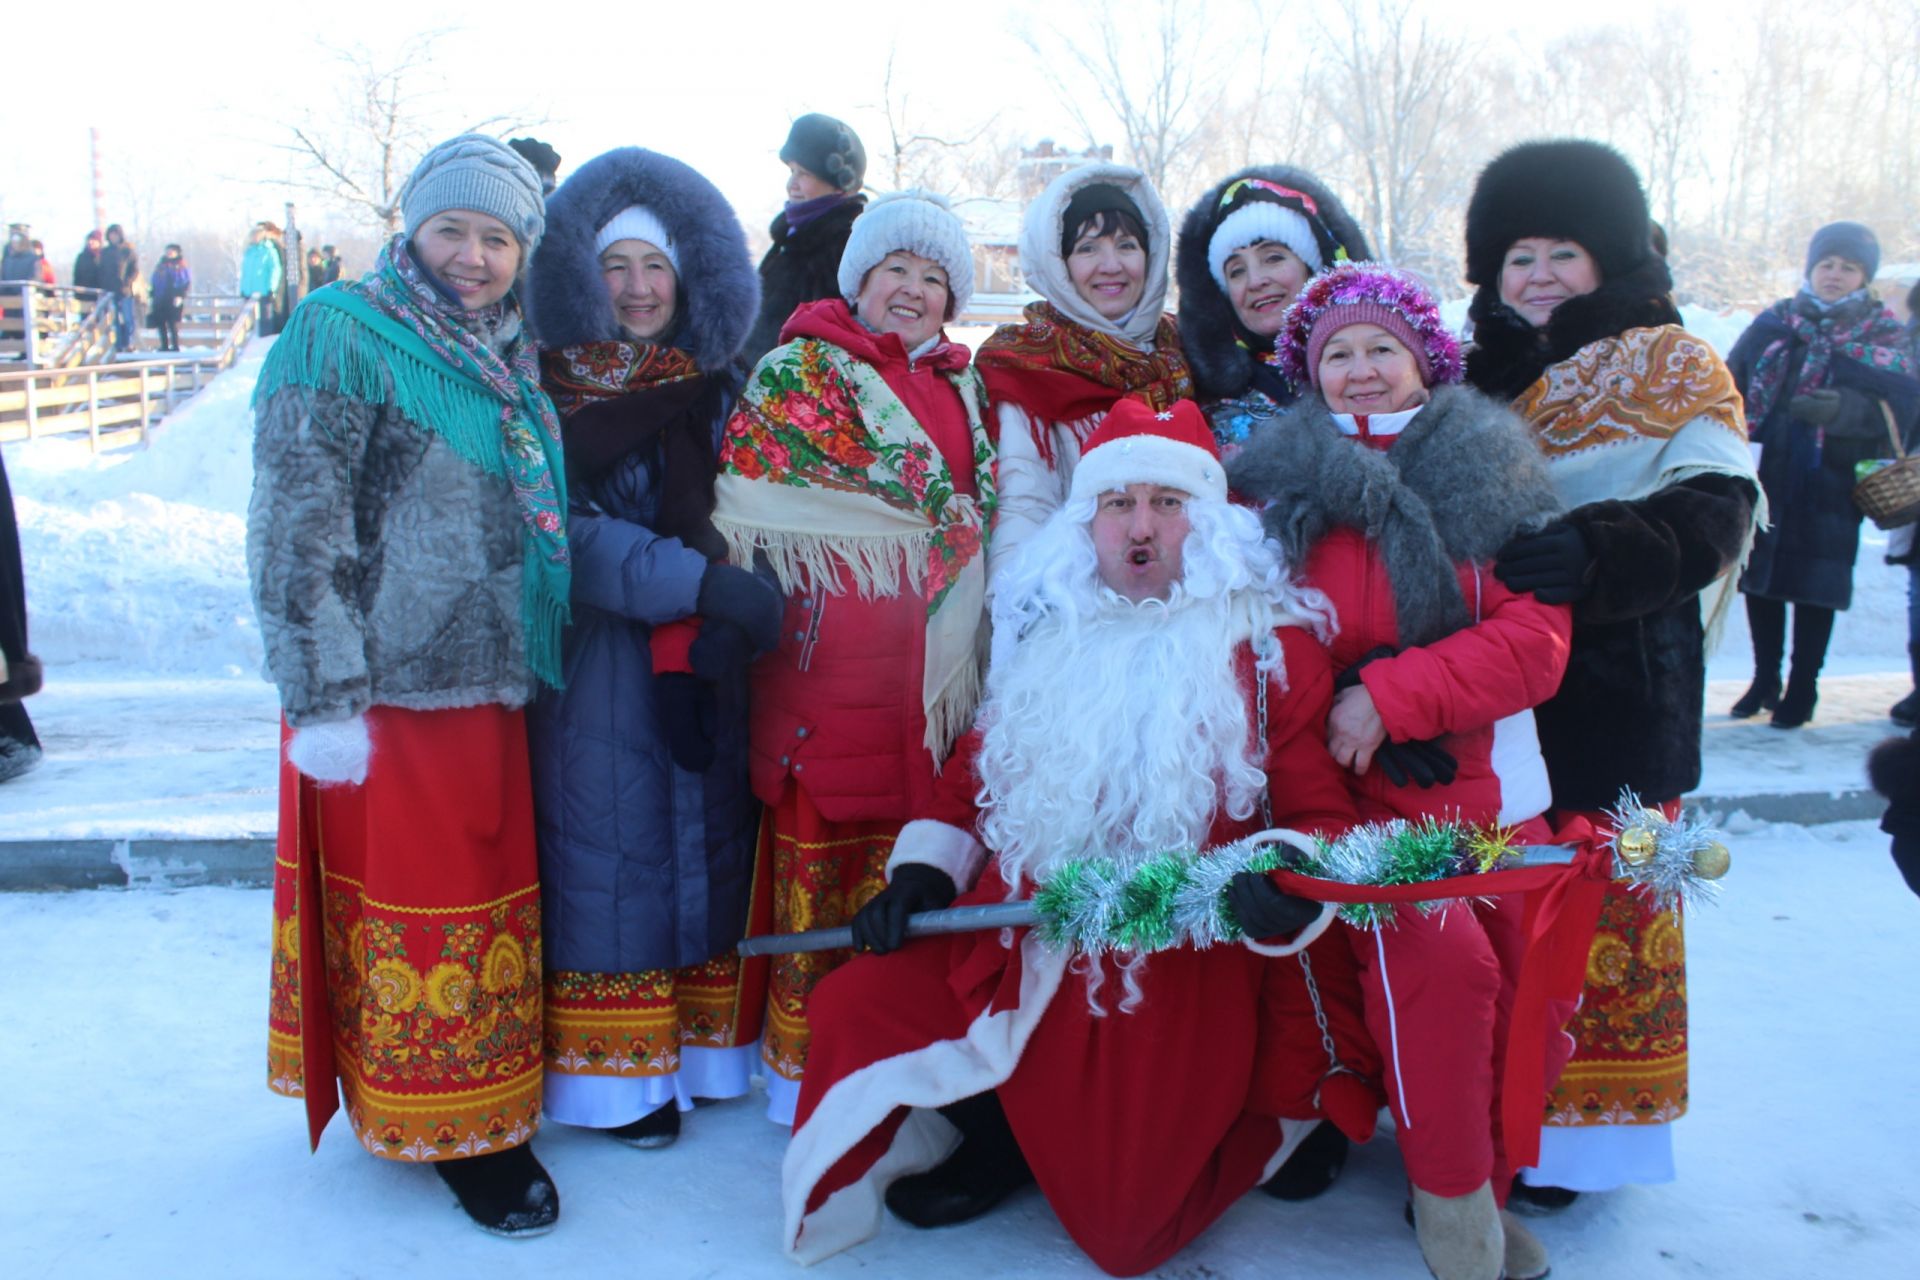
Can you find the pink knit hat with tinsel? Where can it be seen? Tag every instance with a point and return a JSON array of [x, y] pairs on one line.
[[1366, 293]]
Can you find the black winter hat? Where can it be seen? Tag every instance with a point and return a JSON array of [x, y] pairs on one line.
[[827, 149], [1563, 189], [1850, 240]]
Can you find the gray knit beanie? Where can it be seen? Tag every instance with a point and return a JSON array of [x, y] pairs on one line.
[[920, 222], [479, 173]]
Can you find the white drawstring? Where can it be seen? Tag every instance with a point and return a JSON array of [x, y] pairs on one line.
[[1393, 1028]]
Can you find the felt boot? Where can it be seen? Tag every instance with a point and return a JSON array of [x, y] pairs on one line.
[[1526, 1257], [507, 1193], [1312, 1167], [657, 1128], [1460, 1236], [983, 1170]]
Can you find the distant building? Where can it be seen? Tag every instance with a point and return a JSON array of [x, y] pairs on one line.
[[993, 227]]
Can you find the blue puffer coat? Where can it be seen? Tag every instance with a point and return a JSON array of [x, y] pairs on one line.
[[643, 865]]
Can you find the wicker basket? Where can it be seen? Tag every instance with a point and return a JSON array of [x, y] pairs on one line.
[[1891, 496]]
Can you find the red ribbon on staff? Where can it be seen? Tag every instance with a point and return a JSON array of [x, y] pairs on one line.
[[1562, 910]]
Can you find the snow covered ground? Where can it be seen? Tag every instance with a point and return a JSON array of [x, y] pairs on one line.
[[145, 1141], [131, 1023]]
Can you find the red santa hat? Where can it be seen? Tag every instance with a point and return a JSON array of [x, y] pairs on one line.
[[1134, 444]]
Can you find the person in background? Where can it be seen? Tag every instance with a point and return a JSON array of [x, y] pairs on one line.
[[544, 159], [89, 265], [407, 548], [20, 261], [261, 271], [1901, 550], [330, 259], [171, 281], [1246, 249], [826, 165], [45, 268], [121, 268], [640, 294], [316, 270], [1821, 373]]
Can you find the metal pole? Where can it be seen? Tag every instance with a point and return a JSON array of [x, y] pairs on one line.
[[93, 408], [99, 187], [29, 294]]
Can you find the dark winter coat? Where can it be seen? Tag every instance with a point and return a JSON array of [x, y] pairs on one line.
[[802, 266], [643, 865], [119, 268], [23, 264], [92, 271], [1629, 711], [1807, 554], [19, 746], [171, 281], [1229, 380]]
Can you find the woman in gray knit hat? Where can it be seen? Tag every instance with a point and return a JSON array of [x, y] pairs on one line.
[[407, 548]]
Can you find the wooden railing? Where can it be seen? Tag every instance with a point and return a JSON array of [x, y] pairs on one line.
[[37, 319], [115, 404]]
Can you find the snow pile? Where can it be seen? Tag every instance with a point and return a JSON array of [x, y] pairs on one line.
[[137, 558]]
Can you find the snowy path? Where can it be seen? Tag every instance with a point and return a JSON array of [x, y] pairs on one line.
[[132, 1027]]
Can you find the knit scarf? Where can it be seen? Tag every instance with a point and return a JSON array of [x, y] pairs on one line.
[[1858, 331], [618, 398], [824, 470], [1062, 372], [392, 334]]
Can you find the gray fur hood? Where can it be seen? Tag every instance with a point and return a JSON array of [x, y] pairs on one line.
[[1462, 478], [1222, 368], [567, 299]]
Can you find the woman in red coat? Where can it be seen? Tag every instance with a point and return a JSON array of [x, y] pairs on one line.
[[858, 466], [1393, 488]]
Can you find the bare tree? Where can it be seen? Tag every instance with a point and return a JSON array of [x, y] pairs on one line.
[[920, 158], [389, 110]]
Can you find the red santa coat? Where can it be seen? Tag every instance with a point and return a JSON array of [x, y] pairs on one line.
[[943, 1019], [837, 707]]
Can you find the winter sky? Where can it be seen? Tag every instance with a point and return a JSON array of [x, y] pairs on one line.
[[192, 98]]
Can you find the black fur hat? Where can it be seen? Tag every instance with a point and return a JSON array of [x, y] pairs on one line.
[[827, 149], [1564, 189], [1221, 366]]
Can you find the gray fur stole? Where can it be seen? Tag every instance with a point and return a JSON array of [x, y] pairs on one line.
[[1462, 478]]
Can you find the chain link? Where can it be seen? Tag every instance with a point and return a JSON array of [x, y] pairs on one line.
[[1320, 1016]]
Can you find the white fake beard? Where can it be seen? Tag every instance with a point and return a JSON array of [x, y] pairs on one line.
[[1119, 737]]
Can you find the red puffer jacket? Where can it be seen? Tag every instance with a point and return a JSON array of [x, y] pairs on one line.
[[837, 707], [1456, 688]]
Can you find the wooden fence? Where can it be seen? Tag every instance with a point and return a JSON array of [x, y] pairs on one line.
[[117, 404]]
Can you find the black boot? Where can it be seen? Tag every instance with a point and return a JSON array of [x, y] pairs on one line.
[[658, 1128], [985, 1169], [1906, 712], [1528, 1198], [1812, 629], [1312, 1167], [1767, 621], [505, 1192]]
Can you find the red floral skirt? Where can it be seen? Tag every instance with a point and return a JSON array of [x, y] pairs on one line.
[[406, 945]]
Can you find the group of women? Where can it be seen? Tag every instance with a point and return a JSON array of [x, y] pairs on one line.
[[599, 648]]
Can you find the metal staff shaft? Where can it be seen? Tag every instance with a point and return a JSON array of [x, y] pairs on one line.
[[1019, 915], [923, 924]]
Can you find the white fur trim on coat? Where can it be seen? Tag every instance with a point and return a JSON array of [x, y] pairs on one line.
[[941, 845], [1149, 460]]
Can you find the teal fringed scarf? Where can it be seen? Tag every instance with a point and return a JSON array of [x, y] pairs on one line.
[[392, 324]]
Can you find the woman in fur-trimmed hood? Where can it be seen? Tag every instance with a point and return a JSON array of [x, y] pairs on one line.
[[642, 294], [1096, 246], [1246, 249], [1644, 436], [1392, 488]]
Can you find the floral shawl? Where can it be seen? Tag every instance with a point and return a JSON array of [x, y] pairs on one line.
[[1859, 331], [824, 470]]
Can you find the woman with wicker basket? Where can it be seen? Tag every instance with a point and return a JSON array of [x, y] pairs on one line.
[[1828, 377]]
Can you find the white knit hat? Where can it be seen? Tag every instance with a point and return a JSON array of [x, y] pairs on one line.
[[920, 222], [1252, 223], [637, 222]]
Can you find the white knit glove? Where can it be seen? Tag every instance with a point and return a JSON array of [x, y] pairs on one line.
[[336, 751]]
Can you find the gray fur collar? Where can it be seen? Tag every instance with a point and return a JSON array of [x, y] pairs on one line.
[[1462, 479]]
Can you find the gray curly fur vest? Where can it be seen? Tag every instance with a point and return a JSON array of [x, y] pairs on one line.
[[1462, 478]]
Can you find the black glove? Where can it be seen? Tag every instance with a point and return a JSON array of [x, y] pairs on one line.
[[743, 599], [1555, 564], [1426, 763], [719, 650], [1351, 676], [1263, 910], [689, 716], [881, 925], [1818, 407]]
